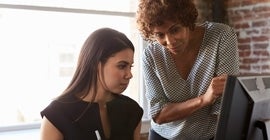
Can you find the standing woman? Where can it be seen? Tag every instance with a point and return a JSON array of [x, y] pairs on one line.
[[92, 106], [185, 68]]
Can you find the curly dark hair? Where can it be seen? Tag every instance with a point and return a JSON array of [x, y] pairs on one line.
[[153, 13]]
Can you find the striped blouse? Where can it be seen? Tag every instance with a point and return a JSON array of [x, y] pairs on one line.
[[218, 55]]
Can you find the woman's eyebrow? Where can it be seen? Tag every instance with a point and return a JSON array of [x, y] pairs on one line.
[[176, 24], [124, 62]]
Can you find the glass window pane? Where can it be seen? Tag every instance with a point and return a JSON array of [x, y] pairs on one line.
[[107, 5], [38, 52]]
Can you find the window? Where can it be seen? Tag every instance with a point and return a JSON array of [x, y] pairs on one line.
[[40, 42]]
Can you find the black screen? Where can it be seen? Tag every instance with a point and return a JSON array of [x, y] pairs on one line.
[[246, 100]]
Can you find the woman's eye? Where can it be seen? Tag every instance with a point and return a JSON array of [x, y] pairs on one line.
[[122, 66], [174, 30], [159, 35]]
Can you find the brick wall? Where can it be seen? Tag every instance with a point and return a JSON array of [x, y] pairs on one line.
[[251, 20]]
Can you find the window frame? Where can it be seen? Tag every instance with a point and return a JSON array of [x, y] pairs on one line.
[[142, 43]]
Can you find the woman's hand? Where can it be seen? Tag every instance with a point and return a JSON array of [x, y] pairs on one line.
[[215, 89]]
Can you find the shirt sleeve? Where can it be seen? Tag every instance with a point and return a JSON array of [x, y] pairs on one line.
[[228, 58], [154, 92], [54, 114]]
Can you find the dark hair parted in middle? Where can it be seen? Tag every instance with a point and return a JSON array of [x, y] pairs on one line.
[[153, 13]]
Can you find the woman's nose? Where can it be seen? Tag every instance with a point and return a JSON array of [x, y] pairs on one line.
[[129, 74], [169, 39]]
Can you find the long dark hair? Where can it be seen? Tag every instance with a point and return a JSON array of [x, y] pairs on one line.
[[98, 47]]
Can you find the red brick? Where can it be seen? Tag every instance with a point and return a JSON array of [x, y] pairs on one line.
[[261, 45], [244, 40], [260, 38], [241, 26], [244, 47], [259, 23]]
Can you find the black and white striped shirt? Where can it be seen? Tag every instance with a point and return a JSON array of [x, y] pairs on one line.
[[218, 55]]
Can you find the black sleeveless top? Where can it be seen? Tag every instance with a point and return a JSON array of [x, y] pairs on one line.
[[124, 115]]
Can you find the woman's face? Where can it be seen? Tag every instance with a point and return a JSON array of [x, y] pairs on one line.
[[172, 36], [116, 72]]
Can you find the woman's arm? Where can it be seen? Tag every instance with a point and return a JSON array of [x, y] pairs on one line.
[[49, 131], [137, 132], [178, 111]]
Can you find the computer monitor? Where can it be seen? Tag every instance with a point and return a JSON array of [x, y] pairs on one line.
[[245, 109]]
